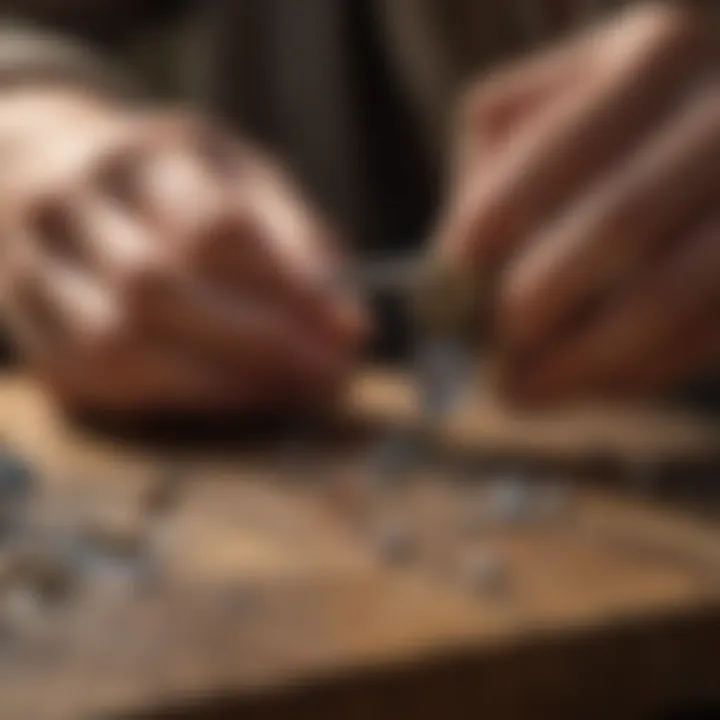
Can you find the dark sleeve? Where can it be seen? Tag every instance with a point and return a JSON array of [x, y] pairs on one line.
[[105, 22], [76, 41]]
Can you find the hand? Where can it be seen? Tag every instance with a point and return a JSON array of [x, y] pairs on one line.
[[156, 264], [590, 176]]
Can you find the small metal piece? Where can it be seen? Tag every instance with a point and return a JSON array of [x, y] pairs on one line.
[[17, 485], [451, 313], [387, 275], [393, 458], [453, 301], [16, 479], [444, 369], [509, 499], [485, 573], [49, 574]]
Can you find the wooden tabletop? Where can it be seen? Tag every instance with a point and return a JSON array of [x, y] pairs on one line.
[[274, 599]]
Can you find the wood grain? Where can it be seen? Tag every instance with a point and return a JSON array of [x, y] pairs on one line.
[[273, 602]]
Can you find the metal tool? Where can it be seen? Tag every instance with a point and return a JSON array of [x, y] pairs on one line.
[[448, 309]]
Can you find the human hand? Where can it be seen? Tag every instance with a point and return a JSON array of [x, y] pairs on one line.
[[155, 264], [590, 176]]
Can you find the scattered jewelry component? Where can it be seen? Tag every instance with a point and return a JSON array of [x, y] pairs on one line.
[[444, 370], [393, 458], [509, 498], [52, 575], [17, 485]]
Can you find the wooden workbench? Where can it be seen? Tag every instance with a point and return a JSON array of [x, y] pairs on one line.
[[274, 602]]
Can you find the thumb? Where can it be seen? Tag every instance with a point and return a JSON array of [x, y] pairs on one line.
[[493, 111]]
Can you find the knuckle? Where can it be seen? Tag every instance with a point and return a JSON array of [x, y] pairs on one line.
[[171, 128]]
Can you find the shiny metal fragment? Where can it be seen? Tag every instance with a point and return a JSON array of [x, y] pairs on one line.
[[394, 458], [444, 368], [17, 486], [509, 498]]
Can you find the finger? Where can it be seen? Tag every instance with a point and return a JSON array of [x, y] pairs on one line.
[[82, 309], [148, 377], [680, 339], [250, 338], [211, 228], [81, 228], [693, 351], [29, 316], [165, 302], [493, 111], [242, 227], [254, 238], [309, 258], [644, 62], [611, 234], [634, 339], [62, 321], [60, 317]]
